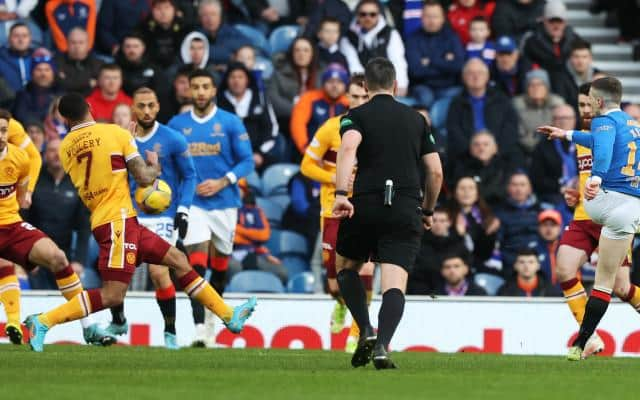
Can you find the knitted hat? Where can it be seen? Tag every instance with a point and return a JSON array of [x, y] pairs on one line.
[[42, 55], [335, 70], [537, 74]]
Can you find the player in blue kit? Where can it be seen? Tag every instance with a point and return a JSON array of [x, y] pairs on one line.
[[179, 173], [612, 193], [222, 154]]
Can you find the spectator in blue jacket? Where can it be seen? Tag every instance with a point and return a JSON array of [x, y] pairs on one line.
[[15, 59], [224, 39], [518, 220], [435, 57], [32, 102], [549, 230], [116, 19]]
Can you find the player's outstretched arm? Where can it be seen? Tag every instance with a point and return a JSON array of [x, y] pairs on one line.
[[144, 173]]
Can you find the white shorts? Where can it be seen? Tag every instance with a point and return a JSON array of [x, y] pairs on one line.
[[161, 226], [618, 213], [218, 226]]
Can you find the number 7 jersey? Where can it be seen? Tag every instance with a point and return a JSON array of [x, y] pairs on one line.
[[95, 157]]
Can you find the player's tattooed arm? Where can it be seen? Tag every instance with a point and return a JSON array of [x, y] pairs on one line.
[[143, 172]]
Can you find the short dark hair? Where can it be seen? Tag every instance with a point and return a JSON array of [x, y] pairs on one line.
[[134, 35], [380, 74], [329, 20], [432, 3], [18, 25], [357, 79], [4, 114], [201, 73], [478, 18], [580, 44], [184, 70], [109, 67], [73, 106], [462, 254], [363, 2], [584, 88], [526, 252], [143, 90], [609, 86]]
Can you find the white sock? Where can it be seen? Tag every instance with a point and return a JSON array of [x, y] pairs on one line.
[[86, 321]]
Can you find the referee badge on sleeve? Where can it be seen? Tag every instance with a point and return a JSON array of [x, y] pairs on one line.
[[345, 122]]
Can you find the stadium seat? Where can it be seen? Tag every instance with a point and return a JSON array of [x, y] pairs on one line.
[[282, 37], [281, 199], [272, 210], [303, 282], [255, 183], [275, 179], [490, 283], [257, 38], [255, 282], [438, 113], [292, 243], [295, 264], [265, 65], [408, 101], [273, 244]]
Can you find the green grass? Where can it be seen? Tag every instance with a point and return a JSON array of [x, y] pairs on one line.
[[119, 373]]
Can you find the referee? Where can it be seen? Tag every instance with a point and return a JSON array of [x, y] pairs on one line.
[[383, 221]]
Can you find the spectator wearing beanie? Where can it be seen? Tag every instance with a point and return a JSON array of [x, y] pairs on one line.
[[317, 106], [32, 102], [116, 19], [65, 15], [78, 68], [108, 94]]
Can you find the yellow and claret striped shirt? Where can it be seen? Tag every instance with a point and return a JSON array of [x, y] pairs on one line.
[[14, 171], [585, 161], [17, 136]]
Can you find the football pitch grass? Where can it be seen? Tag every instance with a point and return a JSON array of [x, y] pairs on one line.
[[118, 373]]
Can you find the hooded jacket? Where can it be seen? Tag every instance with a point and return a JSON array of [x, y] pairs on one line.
[[185, 56]]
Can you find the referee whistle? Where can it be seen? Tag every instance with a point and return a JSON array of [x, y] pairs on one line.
[[388, 192]]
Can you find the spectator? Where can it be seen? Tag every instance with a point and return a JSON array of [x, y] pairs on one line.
[[462, 12], [406, 15], [527, 281], [455, 270], [302, 214], [370, 36], [163, 32], [328, 43], [240, 95], [516, 17], [327, 8], [17, 12], [439, 241], [294, 74], [33, 101], [78, 68], [549, 45], [435, 57], [633, 110], [223, 39], [317, 106], [480, 46], [108, 94], [178, 95], [54, 125], [267, 14], [194, 50], [35, 130], [549, 230], [246, 55], [122, 116], [15, 59], [554, 166], [518, 220], [579, 69], [116, 19], [508, 72], [480, 107], [252, 232], [7, 95], [65, 15], [137, 71], [534, 108], [474, 220], [487, 167], [55, 191]]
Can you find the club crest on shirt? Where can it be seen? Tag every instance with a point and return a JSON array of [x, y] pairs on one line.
[[186, 131], [217, 130], [131, 258], [9, 172], [157, 147]]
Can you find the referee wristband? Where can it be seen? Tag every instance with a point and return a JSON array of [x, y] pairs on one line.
[[341, 193], [427, 213]]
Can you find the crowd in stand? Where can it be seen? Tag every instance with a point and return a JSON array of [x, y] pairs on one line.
[[485, 74]]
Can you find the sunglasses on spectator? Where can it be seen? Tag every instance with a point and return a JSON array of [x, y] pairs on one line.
[[363, 14]]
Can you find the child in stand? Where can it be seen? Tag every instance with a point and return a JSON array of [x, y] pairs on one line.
[[480, 46]]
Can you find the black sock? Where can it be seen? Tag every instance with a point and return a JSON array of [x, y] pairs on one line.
[[218, 280], [354, 297], [594, 311], [390, 315], [117, 315], [197, 309], [168, 310]]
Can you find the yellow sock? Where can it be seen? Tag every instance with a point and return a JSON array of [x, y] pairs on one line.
[[633, 298], [355, 330], [10, 298], [69, 283], [76, 308], [202, 291], [576, 298]]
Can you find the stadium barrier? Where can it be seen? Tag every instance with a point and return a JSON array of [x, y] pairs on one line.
[[481, 324]]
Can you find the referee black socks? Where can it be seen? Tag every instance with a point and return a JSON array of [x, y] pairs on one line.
[[390, 315], [355, 297]]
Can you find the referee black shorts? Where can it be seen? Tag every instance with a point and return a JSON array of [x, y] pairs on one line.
[[390, 235]]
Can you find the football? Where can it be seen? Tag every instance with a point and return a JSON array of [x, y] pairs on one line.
[[154, 199]]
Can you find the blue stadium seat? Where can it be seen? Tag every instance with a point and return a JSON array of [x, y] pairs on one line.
[[301, 283], [273, 244], [272, 210], [265, 65], [255, 282], [275, 179], [292, 243], [257, 38], [282, 37], [408, 101], [489, 282], [438, 113], [281, 199], [255, 183], [295, 264]]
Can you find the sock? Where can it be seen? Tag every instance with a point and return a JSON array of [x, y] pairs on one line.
[[117, 315], [68, 282], [83, 304], [576, 298], [197, 309], [367, 282], [596, 307], [200, 290], [219, 266], [354, 296], [86, 321], [633, 297], [10, 294], [390, 315], [166, 299], [354, 331]]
